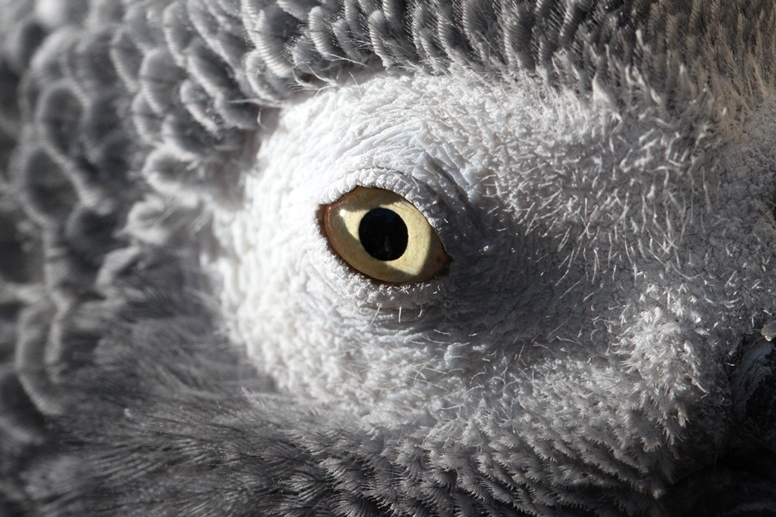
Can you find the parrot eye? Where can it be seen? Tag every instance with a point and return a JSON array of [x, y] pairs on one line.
[[382, 235]]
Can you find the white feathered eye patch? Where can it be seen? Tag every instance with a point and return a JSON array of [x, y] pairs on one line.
[[382, 235]]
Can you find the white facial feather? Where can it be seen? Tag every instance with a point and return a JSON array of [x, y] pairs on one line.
[[596, 256], [179, 337]]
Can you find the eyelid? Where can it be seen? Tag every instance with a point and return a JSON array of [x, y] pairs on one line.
[[405, 185]]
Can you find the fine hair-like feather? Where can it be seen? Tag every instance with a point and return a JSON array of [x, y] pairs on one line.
[[122, 123]]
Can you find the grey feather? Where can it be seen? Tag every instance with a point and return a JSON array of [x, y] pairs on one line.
[[120, 391]]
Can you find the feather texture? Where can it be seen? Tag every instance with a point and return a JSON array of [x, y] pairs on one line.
[[123, 123]]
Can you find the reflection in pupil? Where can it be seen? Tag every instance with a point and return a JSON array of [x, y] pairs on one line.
[[383, 234]]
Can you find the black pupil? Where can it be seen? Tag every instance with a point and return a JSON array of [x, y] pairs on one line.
[[383, 234]]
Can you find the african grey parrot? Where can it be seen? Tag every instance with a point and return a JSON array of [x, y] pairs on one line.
[[387, 257]]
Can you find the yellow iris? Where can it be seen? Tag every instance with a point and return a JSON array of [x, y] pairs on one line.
[[382, 235]]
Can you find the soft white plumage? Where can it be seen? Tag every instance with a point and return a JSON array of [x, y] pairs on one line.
[[180, 337]]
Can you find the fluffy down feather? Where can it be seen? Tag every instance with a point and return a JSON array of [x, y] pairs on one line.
[[177, 337]]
